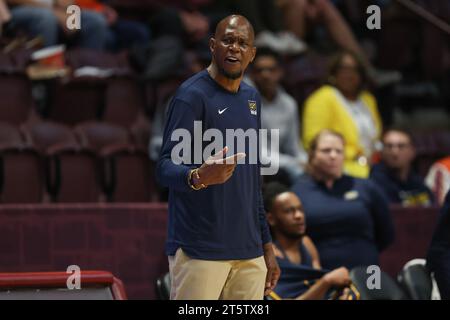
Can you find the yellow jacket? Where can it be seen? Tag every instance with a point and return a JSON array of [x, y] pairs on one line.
[[323, 110]]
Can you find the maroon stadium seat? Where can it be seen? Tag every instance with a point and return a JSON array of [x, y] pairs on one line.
[[123, 101], [159, 93], [94, 285], [6, 63], [21, 57], [10, 135], [21, 176], [72, 174], [140, 131], [78, 100], [136, 9], [83, 98], [125, 168], [97, 135], [304, 74], [43, 135], [81, 57], [19, 164], [128, 174], [430, 147], [16, 99]]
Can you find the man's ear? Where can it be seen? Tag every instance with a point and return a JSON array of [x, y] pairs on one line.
[[212, 44], [270, 219], [253, 54]]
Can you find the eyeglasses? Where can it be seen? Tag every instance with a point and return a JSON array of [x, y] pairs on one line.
[[262, 69], [348, 68], [400, 146], [330, 150]]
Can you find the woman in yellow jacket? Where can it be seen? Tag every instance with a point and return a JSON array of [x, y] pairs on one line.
[[344, 106]]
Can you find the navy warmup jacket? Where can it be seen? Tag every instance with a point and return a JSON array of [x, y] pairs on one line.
[[225, 221]]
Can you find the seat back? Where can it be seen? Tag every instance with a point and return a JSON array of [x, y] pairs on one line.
[[97, 135], [44, 135], [10, 135], [389, 289], [82, 57], [78, 100], [21, 176], [163, 287], [128, 174], [124, 100], [416, 280], [73, 175], [6, 63], [16, 99], [19, 163]]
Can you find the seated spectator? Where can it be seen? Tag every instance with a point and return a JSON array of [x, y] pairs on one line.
[[267, 21], [438, 259], [345, 106], [348, 218], [279, 111], [122, 33], [175, 27], [438, 179], [295, 250], [5, 16], [48, 19], [288, 26], [395, 175], [302, 16]]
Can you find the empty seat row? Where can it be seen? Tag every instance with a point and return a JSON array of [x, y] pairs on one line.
[[118, 98], [92, 162]]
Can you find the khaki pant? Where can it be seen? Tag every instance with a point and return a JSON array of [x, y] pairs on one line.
[[194, 279]]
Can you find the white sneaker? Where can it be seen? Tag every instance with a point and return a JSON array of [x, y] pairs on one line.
[[284, 42], [383, 78]]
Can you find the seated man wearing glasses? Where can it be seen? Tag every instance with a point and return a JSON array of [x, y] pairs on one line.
[[394, 174]]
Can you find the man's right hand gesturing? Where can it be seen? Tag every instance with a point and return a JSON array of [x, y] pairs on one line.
[[217, 169]]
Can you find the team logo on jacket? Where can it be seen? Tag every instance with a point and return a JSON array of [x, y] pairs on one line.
[[351, 195], [252, 107]]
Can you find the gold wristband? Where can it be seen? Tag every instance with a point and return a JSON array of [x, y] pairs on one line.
[[195, 173]]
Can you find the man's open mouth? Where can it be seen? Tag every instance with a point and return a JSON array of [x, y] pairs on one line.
[[232, 60]]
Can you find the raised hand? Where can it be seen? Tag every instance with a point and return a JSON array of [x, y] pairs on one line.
[[216, 169]]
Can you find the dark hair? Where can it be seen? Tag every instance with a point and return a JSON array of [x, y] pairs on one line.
[[270, 191], [336, 61], [405, 131], [267, 52]]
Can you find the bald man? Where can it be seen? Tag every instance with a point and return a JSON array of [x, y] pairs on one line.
[[219, 245]]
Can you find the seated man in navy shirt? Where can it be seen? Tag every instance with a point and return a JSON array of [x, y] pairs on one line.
[[438, 259], [302, 277], [394, 174]]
